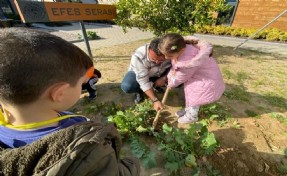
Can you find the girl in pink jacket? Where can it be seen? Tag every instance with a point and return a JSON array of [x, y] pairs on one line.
[[203, 83]]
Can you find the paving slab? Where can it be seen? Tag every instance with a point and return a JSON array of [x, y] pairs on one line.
[[111, 35], [257, 45]]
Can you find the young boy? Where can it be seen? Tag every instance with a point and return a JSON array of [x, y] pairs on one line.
[[90, 85], [37, 135]]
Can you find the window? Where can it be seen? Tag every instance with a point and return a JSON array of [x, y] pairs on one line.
[[226, 18], [6, 7]]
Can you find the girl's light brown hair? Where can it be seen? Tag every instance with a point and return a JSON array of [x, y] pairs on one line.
[[171, 43]]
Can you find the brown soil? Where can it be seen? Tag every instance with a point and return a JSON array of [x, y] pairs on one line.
[[256, 145]]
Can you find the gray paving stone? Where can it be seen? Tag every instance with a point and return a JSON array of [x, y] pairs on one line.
[[113, 35], [261, 46]]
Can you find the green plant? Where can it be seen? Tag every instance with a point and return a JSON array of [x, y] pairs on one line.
[[279, 117], [282, 169], [235, 32], [220, 30], [236, 124], [199, 29], [283, 37], [182, 147], [134, 119], [273, 34], [161, 16], [268, 34], [241, 77], [227, 73], [92, 35], [259, 82], [282, 166], [105, 109], [214, 111], [209, 29], [244, 32], [262, 34], [250, 31], [142, 152]]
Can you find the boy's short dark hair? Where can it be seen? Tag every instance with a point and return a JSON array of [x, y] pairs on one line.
[[154, 46], [31, 61]]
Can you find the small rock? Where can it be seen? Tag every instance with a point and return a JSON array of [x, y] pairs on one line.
[[242, 165], [259, 167]]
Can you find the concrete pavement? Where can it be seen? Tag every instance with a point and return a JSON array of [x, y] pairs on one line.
[[113, 35], [257, 45], [110, 34]]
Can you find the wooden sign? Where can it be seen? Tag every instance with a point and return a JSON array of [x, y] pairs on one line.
[[33, 11]]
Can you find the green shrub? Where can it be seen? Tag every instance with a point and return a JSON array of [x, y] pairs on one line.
[[209, 29], [200, 29], [235, 32], [244, 32], [161, 16], [251, 31], [228, 30], [273, 35], [262, 34], [219, 30], [283, 37], [204, 29]]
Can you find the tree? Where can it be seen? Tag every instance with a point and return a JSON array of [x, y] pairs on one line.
[[161, 16]]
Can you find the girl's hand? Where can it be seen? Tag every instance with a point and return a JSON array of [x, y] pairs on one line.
[[172, 78], [191, 40]]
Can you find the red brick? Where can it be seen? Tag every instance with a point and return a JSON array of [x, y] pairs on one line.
[[256, 13]]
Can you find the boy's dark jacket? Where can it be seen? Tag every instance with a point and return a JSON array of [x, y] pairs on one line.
[[84, 149]]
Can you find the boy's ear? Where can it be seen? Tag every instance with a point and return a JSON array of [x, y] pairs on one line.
[[57, 91]]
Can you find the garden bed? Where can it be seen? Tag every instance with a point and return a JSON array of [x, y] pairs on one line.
[[249, 122]]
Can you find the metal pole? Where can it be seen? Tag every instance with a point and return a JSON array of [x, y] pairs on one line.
[[86, 39], [281, 14]]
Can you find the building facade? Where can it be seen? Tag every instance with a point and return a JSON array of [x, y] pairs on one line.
[[244, 13], [257, 13]]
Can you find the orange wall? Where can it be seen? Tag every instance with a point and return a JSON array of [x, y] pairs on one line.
[[257, 13]]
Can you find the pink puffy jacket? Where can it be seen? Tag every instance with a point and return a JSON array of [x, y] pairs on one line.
[[203, 83]]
